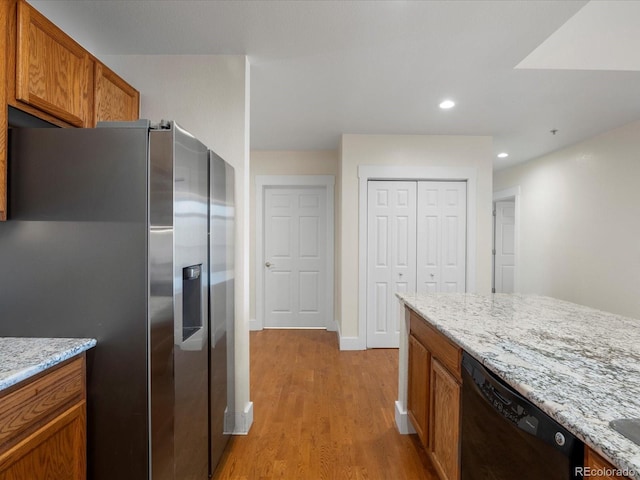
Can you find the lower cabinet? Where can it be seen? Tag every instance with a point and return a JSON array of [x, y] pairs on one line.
[[434, 399], [43, 426], [598, 467], [434, 388], [444, 445], [418, 398]]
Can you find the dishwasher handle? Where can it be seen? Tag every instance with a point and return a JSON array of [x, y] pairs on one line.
[[504, 400], [496, 393]]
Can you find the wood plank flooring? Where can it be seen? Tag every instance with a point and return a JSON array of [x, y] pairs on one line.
[[322, 414]]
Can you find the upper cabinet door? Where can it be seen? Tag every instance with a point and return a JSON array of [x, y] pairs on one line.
[[115, 99], [53, 72]]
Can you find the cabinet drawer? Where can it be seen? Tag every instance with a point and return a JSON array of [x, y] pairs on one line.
[[448, 353], [24, 410]]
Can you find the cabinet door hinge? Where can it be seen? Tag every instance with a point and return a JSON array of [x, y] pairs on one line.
[[493, 290]]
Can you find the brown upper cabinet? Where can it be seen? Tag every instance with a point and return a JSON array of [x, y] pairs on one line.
[[4, 15], [53, 73], [115, 99], [46, 73]]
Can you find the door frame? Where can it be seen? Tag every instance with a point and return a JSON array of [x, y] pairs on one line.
[[375, 172], [300, 181], [508, 194]]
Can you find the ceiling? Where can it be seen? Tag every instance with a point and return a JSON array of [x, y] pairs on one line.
[[323, 68]]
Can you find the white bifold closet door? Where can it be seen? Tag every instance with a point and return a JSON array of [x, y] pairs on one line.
[[442, 237], [416, 241]]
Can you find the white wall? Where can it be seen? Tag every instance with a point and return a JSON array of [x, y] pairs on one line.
[[208, 95], [409, 151], [316, 162], [580, 221]]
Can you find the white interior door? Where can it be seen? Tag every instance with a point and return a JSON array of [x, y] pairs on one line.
[[504, 260], [442, 240], [391, 256], [416, 241], [295, 254]]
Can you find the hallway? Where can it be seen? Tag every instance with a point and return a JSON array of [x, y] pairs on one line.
[[322, 414]]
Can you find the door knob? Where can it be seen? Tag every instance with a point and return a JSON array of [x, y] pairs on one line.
[[268, 264], [433, 275]]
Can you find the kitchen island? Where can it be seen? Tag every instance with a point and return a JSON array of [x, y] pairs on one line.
[[579, 365], [43, 408], [22, 358]]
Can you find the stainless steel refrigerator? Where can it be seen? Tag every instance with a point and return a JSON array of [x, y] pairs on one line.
[[125, 234]]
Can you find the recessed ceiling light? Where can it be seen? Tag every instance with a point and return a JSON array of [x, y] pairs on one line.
[[447, 104], [503, 155]]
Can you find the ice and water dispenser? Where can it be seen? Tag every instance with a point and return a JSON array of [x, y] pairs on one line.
[[191, 300]]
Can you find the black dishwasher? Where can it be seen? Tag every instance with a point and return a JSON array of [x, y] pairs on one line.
[[506, 437]]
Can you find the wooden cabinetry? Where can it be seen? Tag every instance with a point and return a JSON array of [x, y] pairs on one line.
[[53, 73], [43, 426], [45, 73], [433, 401], [4, 20], [599, 468], [115, 99], [52, 77], [418, 398], [444, 433]]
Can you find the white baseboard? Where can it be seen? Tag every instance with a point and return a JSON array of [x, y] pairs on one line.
[[403, 423], [254, 326], [239, 423], [350, 343], [333, 326]]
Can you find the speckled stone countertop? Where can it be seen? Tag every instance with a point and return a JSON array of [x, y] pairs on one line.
[[579, 365], [21, 358]]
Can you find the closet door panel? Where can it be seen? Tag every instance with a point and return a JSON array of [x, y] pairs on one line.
[[441, 242], [391, 260]]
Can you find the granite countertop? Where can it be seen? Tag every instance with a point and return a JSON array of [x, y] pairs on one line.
[[579, 365], [21, 357]]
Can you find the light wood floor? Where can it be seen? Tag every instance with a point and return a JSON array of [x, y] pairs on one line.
[[322, 414]]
